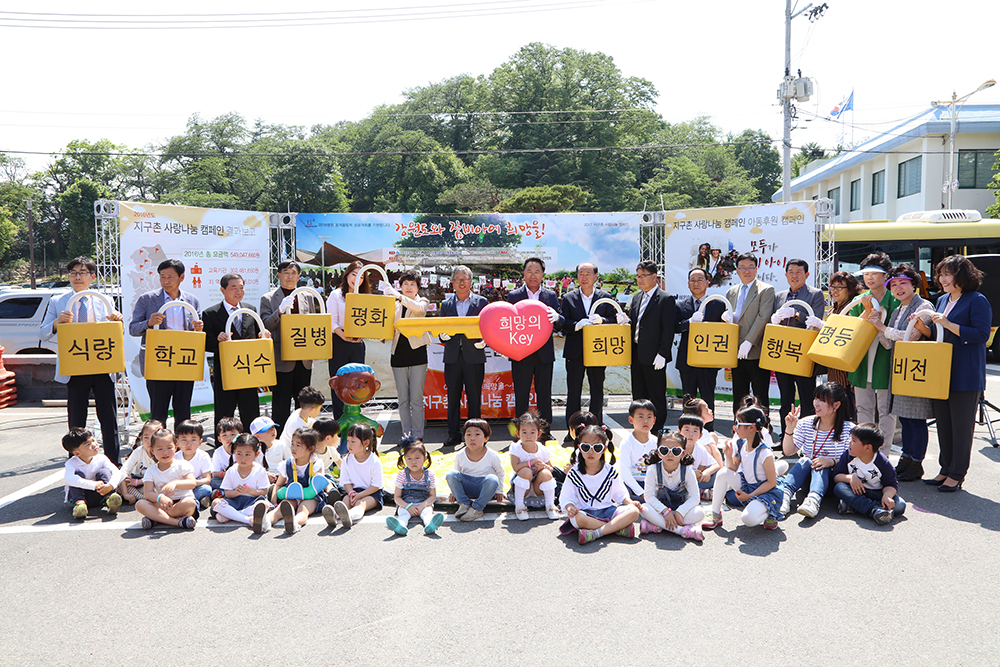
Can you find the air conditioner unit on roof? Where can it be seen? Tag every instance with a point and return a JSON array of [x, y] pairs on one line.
[[951, 215]]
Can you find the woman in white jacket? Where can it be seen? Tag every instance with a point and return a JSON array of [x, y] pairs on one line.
[[409, 355]]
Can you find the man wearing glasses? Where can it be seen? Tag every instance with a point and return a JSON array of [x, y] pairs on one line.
[[464, 360], [653, 317], [697, 381], [753, 305]]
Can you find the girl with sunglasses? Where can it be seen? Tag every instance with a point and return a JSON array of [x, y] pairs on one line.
[[671, 490], [593, 495], [749, 479]]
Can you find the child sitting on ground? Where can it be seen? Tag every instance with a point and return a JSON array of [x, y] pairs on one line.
[[864, 479], [328, 451], [227, 430], [90, 476], [189, 434], [137, 462], [671, 499], [477, 475], [633, 449], [361, 477], [416, 489], [706, 459], [168, 487], [245, 486], [530, 461], [271, 449], [310, 403]]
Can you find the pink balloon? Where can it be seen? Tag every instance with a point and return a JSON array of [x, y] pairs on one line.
[[515, 330]]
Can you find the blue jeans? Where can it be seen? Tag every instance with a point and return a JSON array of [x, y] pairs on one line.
[[867, 502], [914, 438], [819, 480], [465, 487], [201, 491]]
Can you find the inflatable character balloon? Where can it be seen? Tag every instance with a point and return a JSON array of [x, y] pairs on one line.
[[355, 384]]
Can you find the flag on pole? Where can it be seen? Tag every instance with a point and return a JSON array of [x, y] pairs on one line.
[[846, 105]]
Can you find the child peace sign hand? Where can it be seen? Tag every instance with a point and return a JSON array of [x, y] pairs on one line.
[[791, 420]]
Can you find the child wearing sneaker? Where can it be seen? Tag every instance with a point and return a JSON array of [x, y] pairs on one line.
[[168, 487], [529, 459], [477, 475], [273, 452], [310, 402], [633, 449], [749, 476], [705, 457], [328, 451], [137, 462], [227, 430], [864, 480], [299, 473], [593, 496], [416, 488], [819, 441], [90, 476], [245, 487], [361, 477], [188, 434], [672, 498]]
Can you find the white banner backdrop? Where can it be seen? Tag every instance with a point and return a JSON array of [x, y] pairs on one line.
[[714, 237], [210, 243]]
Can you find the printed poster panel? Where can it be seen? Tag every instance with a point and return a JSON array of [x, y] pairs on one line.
[[712, 238], [210, 243]]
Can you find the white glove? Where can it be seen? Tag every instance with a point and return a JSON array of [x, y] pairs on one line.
[[659, 362], [596, 319], [782, 313], [744, 349], [286, 304], [622, 318], [553, 315], [479, 345], [389, 290], [813, 322], [581, 324], [698, 316], [444, 337], [727, 317]]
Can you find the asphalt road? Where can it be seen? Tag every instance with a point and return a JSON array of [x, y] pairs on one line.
[[835, 590]]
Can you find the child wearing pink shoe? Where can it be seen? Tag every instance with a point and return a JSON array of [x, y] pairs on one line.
[[671, 490], [593, 495]]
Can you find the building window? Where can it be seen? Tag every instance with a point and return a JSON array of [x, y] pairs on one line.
[[878, 188], [975, 169], [856, 195], [835, 196], [909, 178]]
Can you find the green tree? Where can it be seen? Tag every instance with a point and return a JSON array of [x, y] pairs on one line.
[[8, 231], [993, 211], [755, 153], [474, 195], [77, 207], [545, 199]]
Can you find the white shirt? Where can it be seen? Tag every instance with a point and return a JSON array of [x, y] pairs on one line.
[[702, 457], [490, 464], [257, 479], [238, 322], [276, 455], [543, 454], [533, 295], [361, 475], [138, 461], [177, 470], [174, 317], [630, 465], [90, 470], [201, 462], [813, 443], [293, 422], [587, 301], [750, 473], [336, 305], [599, 493]]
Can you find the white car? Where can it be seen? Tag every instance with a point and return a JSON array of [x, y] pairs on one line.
[[21, 314]]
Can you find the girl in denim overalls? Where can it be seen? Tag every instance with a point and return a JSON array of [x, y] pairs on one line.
[[416, 488], [750, 474], [671, 494]]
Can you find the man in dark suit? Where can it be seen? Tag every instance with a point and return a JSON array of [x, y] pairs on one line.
[[653, 316], [576, 308], [797, 273], [536, 366], [244, 327], [464, 360], [292, 375], [697, 381], [146, 315], [753, 305]]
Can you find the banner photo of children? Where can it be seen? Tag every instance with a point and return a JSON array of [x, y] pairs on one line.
[[493, 246], [713, 238]]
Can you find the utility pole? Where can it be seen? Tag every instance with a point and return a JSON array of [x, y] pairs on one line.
[[786, 108], [31, 243]]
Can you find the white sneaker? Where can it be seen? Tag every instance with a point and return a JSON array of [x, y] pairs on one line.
[[265, 525], [786, 502], [809, 507], [552, 513], [340, 507], [330, 516], [521, 513]]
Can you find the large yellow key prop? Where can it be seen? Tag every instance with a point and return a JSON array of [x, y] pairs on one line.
[[843, 341], [307, 335], [91, 348], [369, 315], [453, 326], [922, 367], [713, 344], [607, 344], [784, 348], [246, 364], [175, 355]]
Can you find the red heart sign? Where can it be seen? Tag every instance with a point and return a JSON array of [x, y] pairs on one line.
[[515, 330]]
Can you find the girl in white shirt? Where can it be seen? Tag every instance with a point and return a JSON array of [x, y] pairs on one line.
[[361, 477], [705, 457], [168, 487], [245, 486], [593, 495], [303, 476], [137, 462], [529, 460], [671, 490]]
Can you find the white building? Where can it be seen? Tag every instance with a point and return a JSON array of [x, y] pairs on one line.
[[905, 169]]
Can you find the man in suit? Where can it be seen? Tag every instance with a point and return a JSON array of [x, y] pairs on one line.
[[576, 307], [653, 316], [82, 272], [244, 327], [697, 381], [797, 273], [292, 375], [753, 305], [538, 365], [464, 360], [145, 316]]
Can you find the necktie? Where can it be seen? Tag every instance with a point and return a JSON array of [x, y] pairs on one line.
[[642, 309], [739, 303], [81, 312], [237, 322]]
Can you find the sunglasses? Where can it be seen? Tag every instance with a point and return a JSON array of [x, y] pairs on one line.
[[664, 450], [745, 424], [585, 447]]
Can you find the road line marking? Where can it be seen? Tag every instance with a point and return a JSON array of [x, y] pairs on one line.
[[31, 488]]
